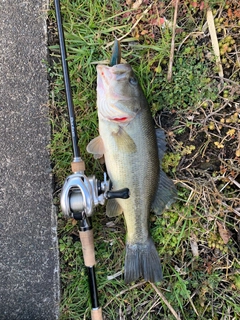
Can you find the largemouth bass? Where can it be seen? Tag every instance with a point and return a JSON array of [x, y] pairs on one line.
[[132, 149]]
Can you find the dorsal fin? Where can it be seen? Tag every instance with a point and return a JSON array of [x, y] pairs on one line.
[[161, 143]]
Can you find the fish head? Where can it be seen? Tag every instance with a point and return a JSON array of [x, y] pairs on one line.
[[118, 93]]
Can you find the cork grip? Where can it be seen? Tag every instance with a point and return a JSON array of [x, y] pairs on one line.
[[97, 314], [88, 248], [78, 166]]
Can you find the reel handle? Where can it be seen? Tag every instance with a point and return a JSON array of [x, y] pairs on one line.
[[122, 194]]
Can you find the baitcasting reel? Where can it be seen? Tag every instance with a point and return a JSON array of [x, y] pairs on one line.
[[81, 194]]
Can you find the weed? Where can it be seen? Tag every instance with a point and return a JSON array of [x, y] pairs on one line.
[[170, 162]]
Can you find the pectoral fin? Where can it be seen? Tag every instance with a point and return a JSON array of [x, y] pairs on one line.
[[124, 142], [96, 147], [113, 209], [166, 194]]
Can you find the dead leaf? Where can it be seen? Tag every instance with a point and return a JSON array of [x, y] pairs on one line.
[[194, 4], [129, 2], [225, 234], [202, 5], [158, 22], [144, 32], [237, 13], [194, 245], [209, 267], [137, 4], [135, 33], [190, 118], [74, 222], [215, 45]]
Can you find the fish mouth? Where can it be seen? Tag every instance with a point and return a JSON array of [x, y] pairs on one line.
[[116, 69], [103, 75], [108, 98], [106, 73], [106, 76]]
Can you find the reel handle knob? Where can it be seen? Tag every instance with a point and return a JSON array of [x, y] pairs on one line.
[[122, 193]]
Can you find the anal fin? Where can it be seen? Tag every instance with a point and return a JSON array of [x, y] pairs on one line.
[[113, 209], [166, 194]]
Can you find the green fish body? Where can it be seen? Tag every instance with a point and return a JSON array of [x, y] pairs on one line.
[[132, 149]]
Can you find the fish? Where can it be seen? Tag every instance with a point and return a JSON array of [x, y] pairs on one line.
[[133, 150]]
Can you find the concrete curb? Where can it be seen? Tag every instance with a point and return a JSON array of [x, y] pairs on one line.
[[29, 267]]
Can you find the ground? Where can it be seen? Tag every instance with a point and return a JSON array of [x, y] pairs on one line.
[[198, 237]]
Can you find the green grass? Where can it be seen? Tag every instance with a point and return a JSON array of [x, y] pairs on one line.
[[196, 110]]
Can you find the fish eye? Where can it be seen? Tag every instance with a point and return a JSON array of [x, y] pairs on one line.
[[133, 81]]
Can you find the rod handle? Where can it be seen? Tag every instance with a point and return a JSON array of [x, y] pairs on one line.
[[97, 314], [78, 166], [86, 238]]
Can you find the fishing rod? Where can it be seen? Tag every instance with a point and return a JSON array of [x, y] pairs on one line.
[[81, 194]]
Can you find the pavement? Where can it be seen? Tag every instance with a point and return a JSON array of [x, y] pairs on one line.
[[29, 267]]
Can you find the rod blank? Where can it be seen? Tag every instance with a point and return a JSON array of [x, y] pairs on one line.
[[76, 151]]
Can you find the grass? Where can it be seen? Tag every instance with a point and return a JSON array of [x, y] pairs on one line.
[[198, 237]]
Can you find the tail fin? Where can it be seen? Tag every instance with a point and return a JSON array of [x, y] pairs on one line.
[[143, 260]]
